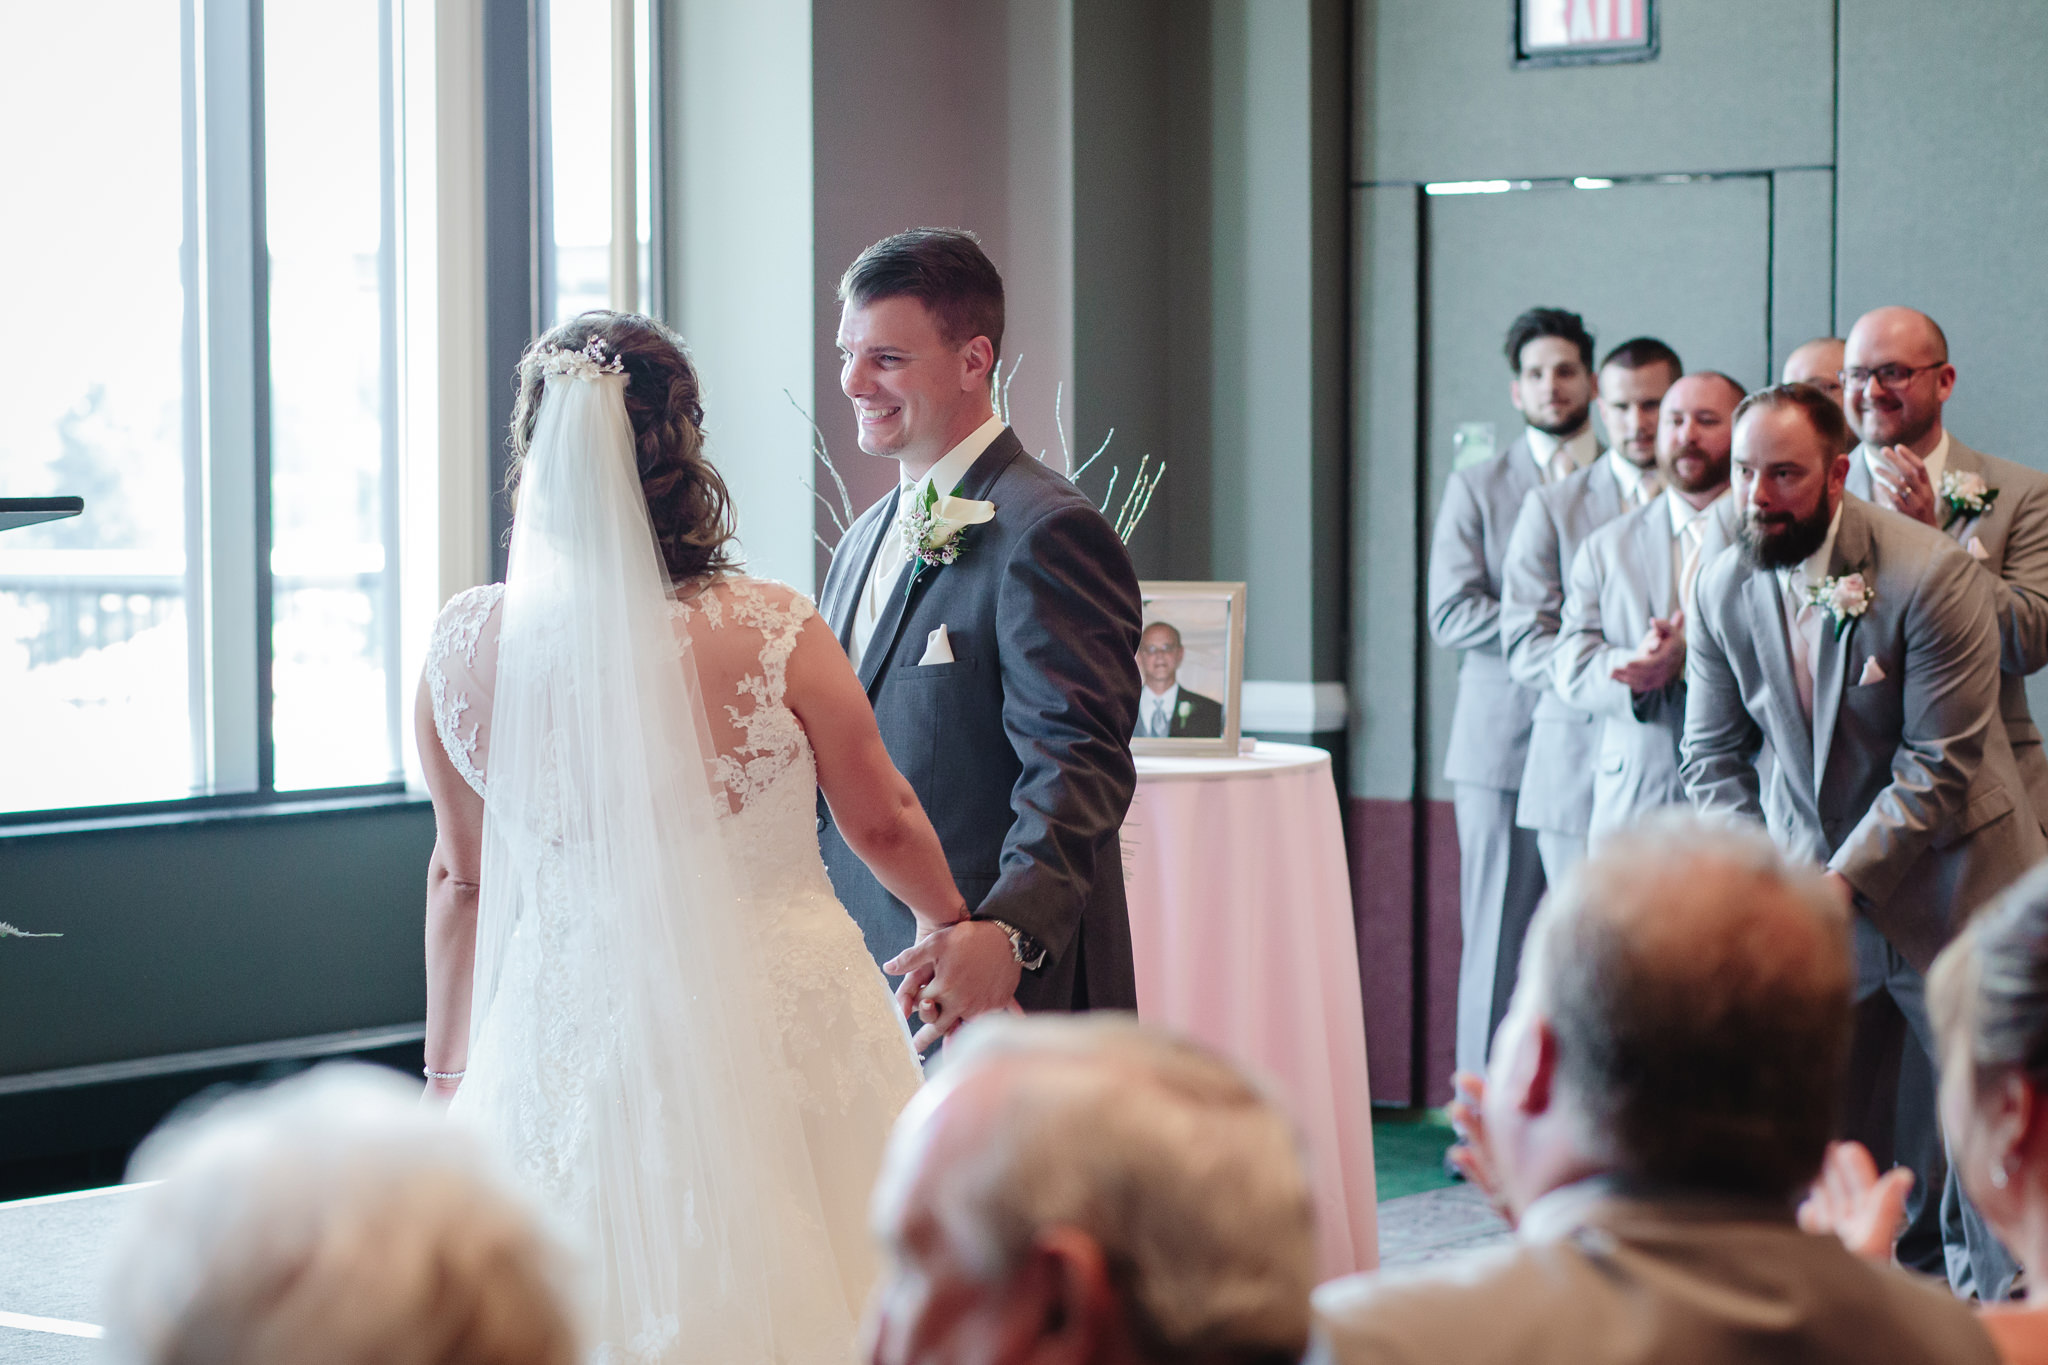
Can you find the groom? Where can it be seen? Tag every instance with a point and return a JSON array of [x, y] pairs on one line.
[[998, 652]]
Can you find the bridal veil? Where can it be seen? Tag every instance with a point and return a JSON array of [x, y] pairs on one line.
[[621, 1035]]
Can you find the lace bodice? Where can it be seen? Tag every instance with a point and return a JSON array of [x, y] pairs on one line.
[[740, 632]]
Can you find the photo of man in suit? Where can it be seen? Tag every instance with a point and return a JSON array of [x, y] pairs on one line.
[[1167, 710], [1863, 646]]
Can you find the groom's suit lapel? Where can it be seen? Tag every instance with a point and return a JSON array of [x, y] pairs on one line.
[[1852, 555], [981, 476], [867, 534]]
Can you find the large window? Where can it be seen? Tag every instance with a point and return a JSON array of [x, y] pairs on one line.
[[588, 260], [201, 343]]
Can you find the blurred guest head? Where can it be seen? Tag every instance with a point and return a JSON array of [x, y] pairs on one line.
[[1895, 378], [1080, 1188], [1790, 470], [330, 1220], [1988, 994], [1159, 655], [920, 327], [1681, 1020], [1633, 380], [1550, 353], [1817, 362], [1695, 429]]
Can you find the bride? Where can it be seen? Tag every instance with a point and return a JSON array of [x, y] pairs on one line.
[[639, 982]]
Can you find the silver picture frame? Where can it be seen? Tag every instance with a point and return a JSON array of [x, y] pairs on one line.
[[1208, 622]]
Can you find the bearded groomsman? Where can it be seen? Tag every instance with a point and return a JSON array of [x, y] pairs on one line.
[[1550, 355], [1896, 378], [1621, 649], [1557, 779], [1864, 648]]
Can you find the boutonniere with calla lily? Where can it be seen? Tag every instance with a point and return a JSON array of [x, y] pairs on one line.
[[1184, 710], [1964, 495], [935, 527], [1844, 599]]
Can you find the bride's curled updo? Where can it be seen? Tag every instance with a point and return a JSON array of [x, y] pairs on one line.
[[686, 498]]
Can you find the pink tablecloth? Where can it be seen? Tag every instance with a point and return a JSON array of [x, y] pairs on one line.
[[1241, 924]]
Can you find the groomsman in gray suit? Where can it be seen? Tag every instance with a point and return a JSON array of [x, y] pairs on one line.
[[1557, 779], [1897, 378], [1864, 647], [1550, 355], [1621, 650]]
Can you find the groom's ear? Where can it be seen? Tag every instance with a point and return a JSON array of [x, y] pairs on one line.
[[978, 361]]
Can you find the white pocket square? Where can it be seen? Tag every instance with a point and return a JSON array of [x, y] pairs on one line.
[[1976, 549], [938, 648], [1873, 671]]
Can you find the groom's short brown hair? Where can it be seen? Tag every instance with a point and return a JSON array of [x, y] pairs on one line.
[[945, 269]]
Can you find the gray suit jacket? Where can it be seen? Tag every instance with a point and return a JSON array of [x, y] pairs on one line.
[[1904, 784], [2011, 542], [1597, 1279], [1490, 727], [1620, 579], [1557, 778], [1020, 748]]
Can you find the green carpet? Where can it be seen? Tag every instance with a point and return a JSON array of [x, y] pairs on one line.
[[1408, 1150]]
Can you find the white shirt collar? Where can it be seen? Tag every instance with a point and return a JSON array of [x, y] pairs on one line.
[[1166, 698], [1638, 485], [1684, 514], [954, 464], [1584, 448], [1815, 570]]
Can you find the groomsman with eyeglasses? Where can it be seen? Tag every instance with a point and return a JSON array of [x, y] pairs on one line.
[[1896, 379]]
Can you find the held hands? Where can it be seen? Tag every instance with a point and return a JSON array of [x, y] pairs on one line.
[[1659, 659], [1901, 483], [1852, 1201], [953, 973]]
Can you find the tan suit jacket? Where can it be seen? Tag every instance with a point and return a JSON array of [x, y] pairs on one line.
[[1598, 1279]]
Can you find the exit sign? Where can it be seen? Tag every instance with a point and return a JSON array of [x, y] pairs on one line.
[[1574, 32]]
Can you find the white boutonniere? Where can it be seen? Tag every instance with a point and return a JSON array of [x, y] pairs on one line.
[[1844, 599], [934, 529], [1184, 710], [1964, 495]]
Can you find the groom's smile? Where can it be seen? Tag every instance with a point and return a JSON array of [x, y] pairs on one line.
[[914, 395]]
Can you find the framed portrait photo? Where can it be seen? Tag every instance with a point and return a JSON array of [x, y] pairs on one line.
[[1190, 669]]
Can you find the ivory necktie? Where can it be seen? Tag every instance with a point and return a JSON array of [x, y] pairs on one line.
[[1803, 617], [1691, 539], [1561, 466]]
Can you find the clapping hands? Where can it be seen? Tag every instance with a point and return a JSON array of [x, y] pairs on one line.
[[1473, 1156], [1901, 482], [1852, 1201], [1659, 659]]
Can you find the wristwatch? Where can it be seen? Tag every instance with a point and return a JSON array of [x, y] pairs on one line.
[[1029, 954]]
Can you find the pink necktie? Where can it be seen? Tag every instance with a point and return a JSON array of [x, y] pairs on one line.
[[1803, 618]]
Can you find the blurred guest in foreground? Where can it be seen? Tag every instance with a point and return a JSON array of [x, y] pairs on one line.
[[1988, 994], [1086, 1190], [1658, 1096], [330, 1220]]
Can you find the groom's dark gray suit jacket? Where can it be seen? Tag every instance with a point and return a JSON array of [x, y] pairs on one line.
[[1020, 748]]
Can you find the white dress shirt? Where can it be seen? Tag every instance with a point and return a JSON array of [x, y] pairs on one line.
[[891, 554], [1688, 538], [1803, 616], [1576, 451], [1638, 485], [1155, 709]]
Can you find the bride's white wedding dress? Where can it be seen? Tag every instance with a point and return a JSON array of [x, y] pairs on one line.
[[679, 1038]]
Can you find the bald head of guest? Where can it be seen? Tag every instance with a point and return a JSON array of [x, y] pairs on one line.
[[1695, 428], [1632, 382], [1817, 362], [1682, 1021], [1895, 378], [1083, 1188]]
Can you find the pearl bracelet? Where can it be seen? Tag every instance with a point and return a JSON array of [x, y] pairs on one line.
[[434, 1075]]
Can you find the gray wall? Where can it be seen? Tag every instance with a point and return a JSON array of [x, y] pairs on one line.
[[1943, 183], [211, 932]]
